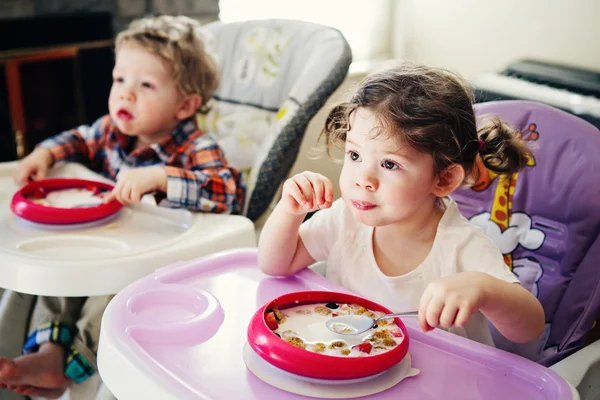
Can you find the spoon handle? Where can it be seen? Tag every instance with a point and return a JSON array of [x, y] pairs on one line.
[[402, 314]]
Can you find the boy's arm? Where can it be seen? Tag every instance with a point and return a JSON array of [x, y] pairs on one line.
[[80, 144], [207, 184]]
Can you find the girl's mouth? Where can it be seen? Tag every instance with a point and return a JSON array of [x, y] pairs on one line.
[[363, 205]]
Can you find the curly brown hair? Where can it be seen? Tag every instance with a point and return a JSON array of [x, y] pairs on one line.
[[177, 40], [431, 110]]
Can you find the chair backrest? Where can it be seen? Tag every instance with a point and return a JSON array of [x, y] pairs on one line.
[[275, 76], [546, 221]]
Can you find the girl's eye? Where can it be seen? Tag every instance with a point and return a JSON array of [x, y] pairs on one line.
[[387, 164], [118, 79], [354, 156], [147, 85]]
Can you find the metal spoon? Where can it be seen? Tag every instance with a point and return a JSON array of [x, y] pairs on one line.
[[356, 324]]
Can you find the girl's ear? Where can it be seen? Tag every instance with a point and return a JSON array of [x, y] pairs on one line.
[[448, 180], [189, 106]]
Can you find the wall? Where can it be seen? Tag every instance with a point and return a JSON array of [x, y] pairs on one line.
[[123, 10], [473, 36]]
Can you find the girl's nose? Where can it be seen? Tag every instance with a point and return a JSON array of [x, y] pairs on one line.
[[367, 181]]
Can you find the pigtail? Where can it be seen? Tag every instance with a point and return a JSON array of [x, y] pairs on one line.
[[501, 147]]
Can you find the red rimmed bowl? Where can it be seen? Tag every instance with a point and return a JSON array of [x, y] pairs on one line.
[[26, 209], [283, 355]]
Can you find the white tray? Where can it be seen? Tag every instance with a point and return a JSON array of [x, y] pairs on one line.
[[104, 256]]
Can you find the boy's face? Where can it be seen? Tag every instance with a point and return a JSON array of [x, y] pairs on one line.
[[144, 100]]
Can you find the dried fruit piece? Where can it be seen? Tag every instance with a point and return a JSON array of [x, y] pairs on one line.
[[364, 347], [39, 194], [271, 321], [396, 332], [332, 305]]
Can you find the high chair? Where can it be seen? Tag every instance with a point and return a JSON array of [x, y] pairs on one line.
[[546, 221], [275, 76]]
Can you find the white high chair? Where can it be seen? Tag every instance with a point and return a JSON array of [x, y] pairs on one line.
[[275, 76], [102, 257]]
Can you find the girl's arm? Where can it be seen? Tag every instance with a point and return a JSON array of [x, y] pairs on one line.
[[451, 301], [280, 249], [513, 310]]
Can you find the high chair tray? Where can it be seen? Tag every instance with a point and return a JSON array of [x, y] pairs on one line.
[[102, 256], [180, 333]]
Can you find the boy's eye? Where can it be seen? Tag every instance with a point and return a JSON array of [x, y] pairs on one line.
[[118, 79], [387, 164], [147, 85], [354, 156]]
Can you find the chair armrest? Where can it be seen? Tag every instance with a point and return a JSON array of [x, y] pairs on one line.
[[582, 370]]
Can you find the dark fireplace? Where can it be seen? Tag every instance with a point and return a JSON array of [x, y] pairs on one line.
[[55, 75]]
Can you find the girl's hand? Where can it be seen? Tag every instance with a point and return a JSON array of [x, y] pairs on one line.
[[452, 300], [134, 183], [306, 192], [34, 166]]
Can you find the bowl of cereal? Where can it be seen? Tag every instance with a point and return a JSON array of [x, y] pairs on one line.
[[290, 333], [60, 201]]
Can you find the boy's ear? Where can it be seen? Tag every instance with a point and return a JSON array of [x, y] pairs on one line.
[[448, 180], [189, 106]]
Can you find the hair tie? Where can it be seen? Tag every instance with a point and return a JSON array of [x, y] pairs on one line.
[[481, 145]]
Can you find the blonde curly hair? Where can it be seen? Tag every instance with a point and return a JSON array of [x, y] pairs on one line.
[[178, 41]]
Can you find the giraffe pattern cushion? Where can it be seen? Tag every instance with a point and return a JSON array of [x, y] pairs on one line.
[[546, 220]]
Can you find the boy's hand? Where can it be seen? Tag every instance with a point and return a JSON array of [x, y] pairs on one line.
[[452, 300], [134, 183], [306, 192], [34, 166]]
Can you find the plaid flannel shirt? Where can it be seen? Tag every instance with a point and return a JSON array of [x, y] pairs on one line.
[[198, 176]]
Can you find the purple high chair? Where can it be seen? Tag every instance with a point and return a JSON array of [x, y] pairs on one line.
[[546, 222]]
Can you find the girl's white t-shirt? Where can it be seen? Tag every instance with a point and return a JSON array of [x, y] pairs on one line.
[[333, 235]]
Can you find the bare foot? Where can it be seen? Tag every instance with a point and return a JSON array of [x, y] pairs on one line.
[[42, 370]]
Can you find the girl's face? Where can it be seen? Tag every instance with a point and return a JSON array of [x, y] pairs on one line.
[[383, 182]]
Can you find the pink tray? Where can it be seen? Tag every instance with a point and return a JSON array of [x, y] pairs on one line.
[[184, 328]]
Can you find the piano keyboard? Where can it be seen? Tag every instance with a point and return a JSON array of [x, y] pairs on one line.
[[522, 89]]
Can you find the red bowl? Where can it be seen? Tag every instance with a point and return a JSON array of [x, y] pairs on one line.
[[26, 209], [298, 361]]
